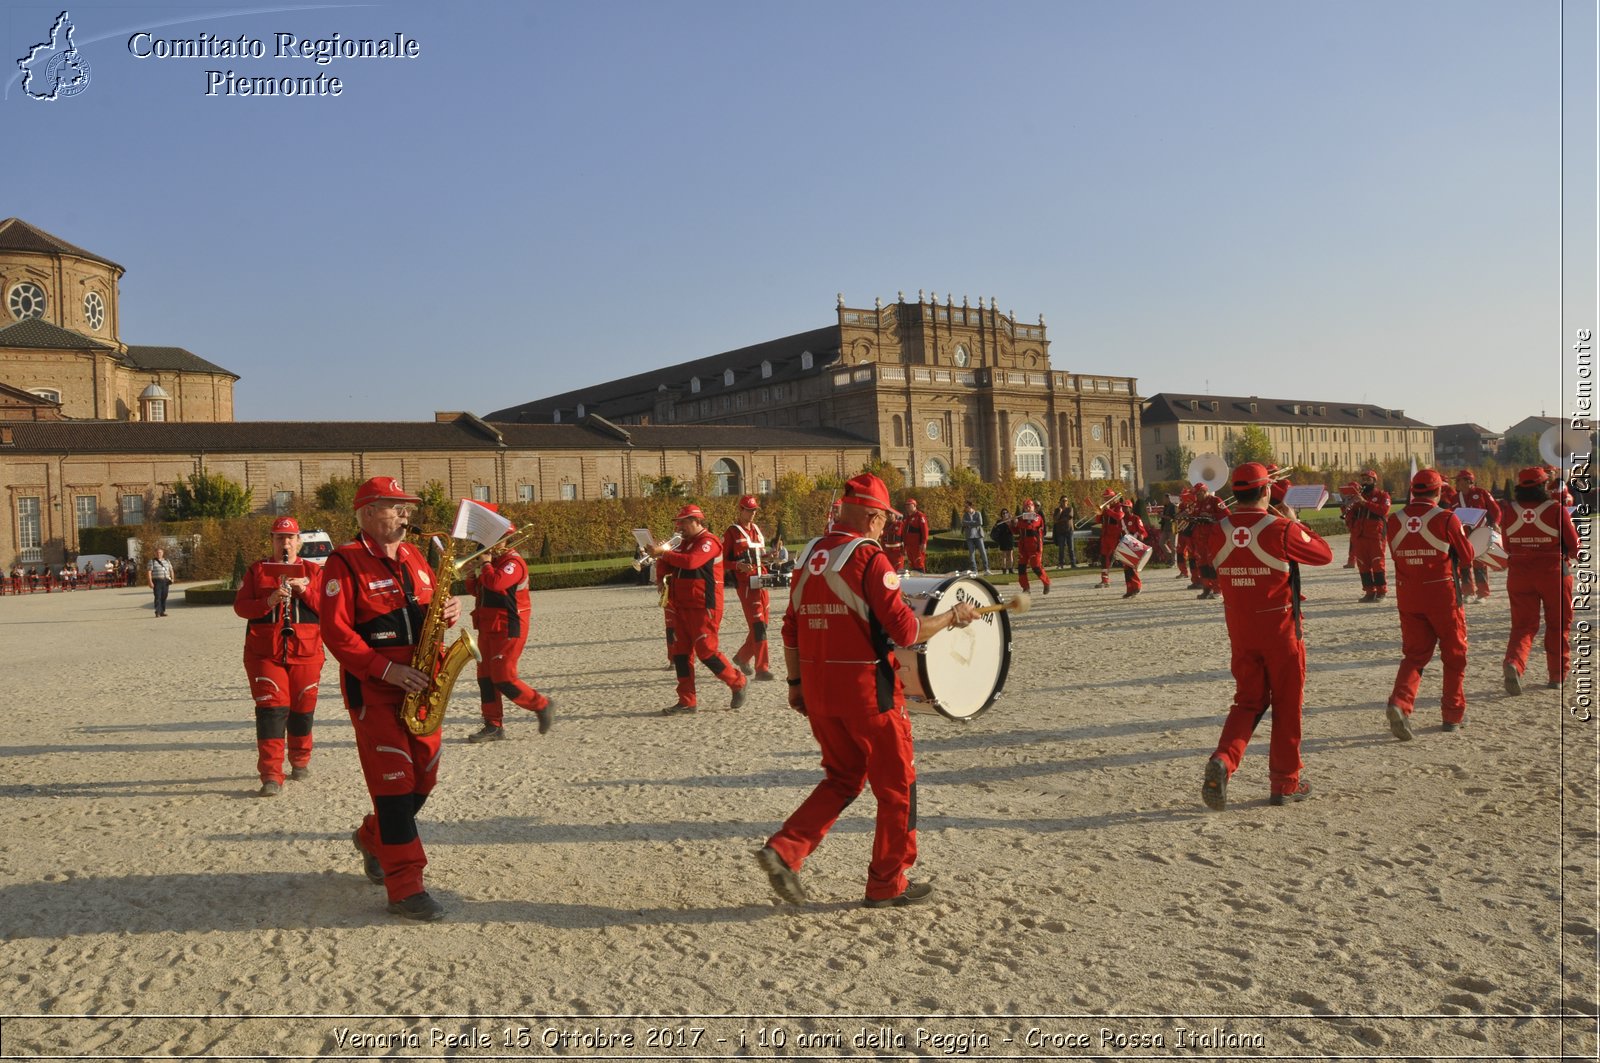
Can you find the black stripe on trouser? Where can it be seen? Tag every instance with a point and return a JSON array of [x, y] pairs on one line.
[[680, 664], [510, 690], [486, 691], [397, 817], [1208, 571], [1381, 578], [271, 721], [911, 819], [352, 691], [300, 723], [716, 664], [1366, 581], [758, 631]]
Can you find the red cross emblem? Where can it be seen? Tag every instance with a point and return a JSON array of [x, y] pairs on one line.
[[1414, 524], [1527, 514], [1241, 537], [818, 562]]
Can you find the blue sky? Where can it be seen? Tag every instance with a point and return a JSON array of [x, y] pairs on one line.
[[1352, 201]]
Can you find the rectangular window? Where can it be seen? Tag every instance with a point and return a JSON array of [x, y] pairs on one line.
[[158, 409], [569, 492], [766, 487], [281, 501], [30, 535], [480, 492], [608, 490], [87, 508], [524, 492], [133, 509]]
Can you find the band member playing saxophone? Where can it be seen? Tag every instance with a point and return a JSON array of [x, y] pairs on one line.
[[282, 655], [377, 593]]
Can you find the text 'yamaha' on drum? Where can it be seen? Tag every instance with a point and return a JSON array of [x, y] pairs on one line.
[[960, 671]]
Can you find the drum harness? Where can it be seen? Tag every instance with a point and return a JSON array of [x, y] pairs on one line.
[[1276, 563], [1426, 534], [856, 603]]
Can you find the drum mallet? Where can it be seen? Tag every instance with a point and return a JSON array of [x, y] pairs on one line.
[[1019, 603]]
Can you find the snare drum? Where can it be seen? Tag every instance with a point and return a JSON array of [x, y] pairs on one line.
[[1132, 552], [1487, 547], [960, 671]]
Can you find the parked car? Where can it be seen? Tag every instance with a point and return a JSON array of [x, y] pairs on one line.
[[315, 546]]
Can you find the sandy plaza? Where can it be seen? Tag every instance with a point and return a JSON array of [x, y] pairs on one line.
[[1435, 897]]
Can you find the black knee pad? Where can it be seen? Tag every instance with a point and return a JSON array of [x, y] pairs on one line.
[[713, 663], [486, 690], [680, 664], [509, 690], [272, 721], [417, 801], [300, 724], [758, 631], [397, 818]]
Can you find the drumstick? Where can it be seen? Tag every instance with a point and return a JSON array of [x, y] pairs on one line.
[[1019, 603]]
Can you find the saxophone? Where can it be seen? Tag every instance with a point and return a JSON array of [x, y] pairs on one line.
[[423, 710]]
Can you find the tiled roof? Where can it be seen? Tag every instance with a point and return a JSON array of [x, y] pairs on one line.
[[1169, 407], [172, 358], [144, 437], [39, 334], [630, 396], [18, 235]]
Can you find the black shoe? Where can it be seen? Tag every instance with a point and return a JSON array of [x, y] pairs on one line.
[[765, 676], [785, 883], [1553, 685], [679, 709], [1458, 725], [1129, 594], [547, 716], [490, 732], [270, 789], [302, 772], [1513, 679], [1399, 723], [737, 701], [418, 906], [915, 893], [369, 863], [1368, 597], [1047, 588], [1214, 790], [1300, 793], [747, 667]]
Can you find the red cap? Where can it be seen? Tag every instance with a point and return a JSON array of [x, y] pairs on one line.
[[285, 526], [1534, 476], [868, 491], [382, 488], [911, 501], [1371, 474], [1250, 474], [1466, 474], [1186, 494], [1108, 493], [749, 502], [691, 510], [1427, 481], [1199, 485]]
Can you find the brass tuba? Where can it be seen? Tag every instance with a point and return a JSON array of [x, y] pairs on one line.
[[423, 710]]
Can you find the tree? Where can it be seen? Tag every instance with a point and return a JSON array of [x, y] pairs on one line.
[[437, 509], [663, 486], [892, 477], [338, 494], [205, 495], [1253, 445], [1519, 452], [1179, 458]]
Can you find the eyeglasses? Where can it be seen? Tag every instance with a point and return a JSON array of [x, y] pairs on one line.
[[405, 509]]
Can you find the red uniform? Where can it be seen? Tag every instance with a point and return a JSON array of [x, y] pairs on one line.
[[283, 661], [915, 531], [1134, 526], [1110, 536], [503, 617], [1209, 510], [1539, 539], [1430, 549], [1027, 528], [845, 613], [1253, 554], [748, 546], [1475, 497], [695, 570], [893, 541], [1366, 520], [372, 612]]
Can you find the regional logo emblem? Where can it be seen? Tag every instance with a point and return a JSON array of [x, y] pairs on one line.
[[55, 68]]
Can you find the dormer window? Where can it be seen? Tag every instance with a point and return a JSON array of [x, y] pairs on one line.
[[694, 384], [766, 370], [727, 378], [48, 394], [153, 403], [581, 411], [555, 418], [805, 359]]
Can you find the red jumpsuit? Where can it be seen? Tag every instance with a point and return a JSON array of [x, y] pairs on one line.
[[1252, 552], [1110, 536], [1028, 529], [893, 541], [283, 661], [1367, 514], [1538, 540], [1134, 526], [695, 568], [1477, 498], [845, 614], [372, 612], [1209, 510], [740, 544], [1429, 547], [503, 617], [915, 531]]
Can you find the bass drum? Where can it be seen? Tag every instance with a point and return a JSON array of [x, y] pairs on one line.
[[960, 671], [1488, 546]]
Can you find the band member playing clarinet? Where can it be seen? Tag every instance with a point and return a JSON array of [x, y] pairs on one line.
[[282, 654], [694, 571], [745, 548], [375, 598], [1255, 554], [845, 613], [503, 617]]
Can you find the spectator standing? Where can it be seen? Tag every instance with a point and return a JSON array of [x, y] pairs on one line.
[[161, 576]]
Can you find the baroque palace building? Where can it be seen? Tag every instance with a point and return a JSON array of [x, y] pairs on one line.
[[933, 386], [1336, 435], [95, 431]]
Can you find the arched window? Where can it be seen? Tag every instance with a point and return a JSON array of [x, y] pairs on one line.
[[1028, 449], [727, 378], [969, 433], [899, 431], [1099, 470], [766, 370], [694, 385], [934, 474], [48, 394], [1122, 433], [725, 478], [805, 359]]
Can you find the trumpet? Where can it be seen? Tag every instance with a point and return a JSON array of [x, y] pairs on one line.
[[671, 544]]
